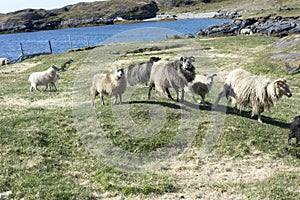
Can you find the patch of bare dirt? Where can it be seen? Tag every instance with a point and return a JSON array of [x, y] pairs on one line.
[[18, 67], [49, 103]]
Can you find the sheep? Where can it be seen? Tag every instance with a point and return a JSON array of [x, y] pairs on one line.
[[4, 61], [244, 88], [52, 84], [200, 86], [43, 78], [140, 73], [108, 84], [173, 74], [246, 31], [295, 130]]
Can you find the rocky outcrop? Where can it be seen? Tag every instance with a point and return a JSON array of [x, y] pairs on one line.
[[228, 14], [266, 26], [81, 14]]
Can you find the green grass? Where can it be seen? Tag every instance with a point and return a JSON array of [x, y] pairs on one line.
[[44, 156]]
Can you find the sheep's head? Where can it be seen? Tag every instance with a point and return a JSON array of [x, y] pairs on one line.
[[282, 88], [57, 76], [154, 59], [187, 63], [119, 73], [54, 67]]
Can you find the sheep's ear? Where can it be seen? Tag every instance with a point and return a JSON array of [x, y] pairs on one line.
[[182, 59], [280, 81], [192, 58]]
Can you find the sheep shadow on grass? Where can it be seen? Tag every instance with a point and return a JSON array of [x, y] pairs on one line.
[[162, 103], [247, 114]]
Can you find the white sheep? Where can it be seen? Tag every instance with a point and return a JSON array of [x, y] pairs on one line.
[[4, 61], [173, 74], [200, 86], [109, 84], [246, 31], [244, 88], [43, 78]]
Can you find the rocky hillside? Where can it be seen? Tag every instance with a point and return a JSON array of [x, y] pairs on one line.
[[81, 14]]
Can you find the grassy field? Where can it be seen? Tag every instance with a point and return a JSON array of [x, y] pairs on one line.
[[50, 148], [253, 8]]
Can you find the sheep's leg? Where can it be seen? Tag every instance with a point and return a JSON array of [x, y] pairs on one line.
[[169, 94], [290, 137], [115, 99], [101, 99], [94, 93], [181, 96], [193, 97], [151, 86], [259, 118], [221, 94], [202, 100], [93, 99], [37, 89], [93, 102], [46, 87], [120, 98], [54, 86]]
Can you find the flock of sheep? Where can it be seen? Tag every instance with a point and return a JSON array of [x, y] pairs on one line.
[[241, 88]]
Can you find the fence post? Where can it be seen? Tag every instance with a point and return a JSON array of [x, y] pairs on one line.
[[50, 46], [87, 41], [22, 51], [70, 42]]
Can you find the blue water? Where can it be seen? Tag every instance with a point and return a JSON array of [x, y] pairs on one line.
[[34, 42]]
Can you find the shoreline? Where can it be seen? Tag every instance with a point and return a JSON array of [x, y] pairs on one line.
[[188, 15]]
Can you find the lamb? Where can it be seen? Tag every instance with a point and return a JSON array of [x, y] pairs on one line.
[[52, 84], [244, 88], [109, 84], [4, 61], [140, 73], [173, 74], [200, 86], [295, 130], [43, 78]]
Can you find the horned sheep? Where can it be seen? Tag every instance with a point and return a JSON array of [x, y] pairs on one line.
[[109, 84], [46, 77], [244, 88], [200, 86], [140, 73], [173, 74]]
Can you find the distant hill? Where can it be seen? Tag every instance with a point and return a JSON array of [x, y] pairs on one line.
[[107, 12], [81, 14]]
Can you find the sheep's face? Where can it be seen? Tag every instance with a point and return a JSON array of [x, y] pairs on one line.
[[57, 76], [54, 67], [282, 88], [187, 63], [120, 73]]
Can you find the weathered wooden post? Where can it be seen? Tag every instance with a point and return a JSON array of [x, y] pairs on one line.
[[50, 46], [22, 51], [87, 41]]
